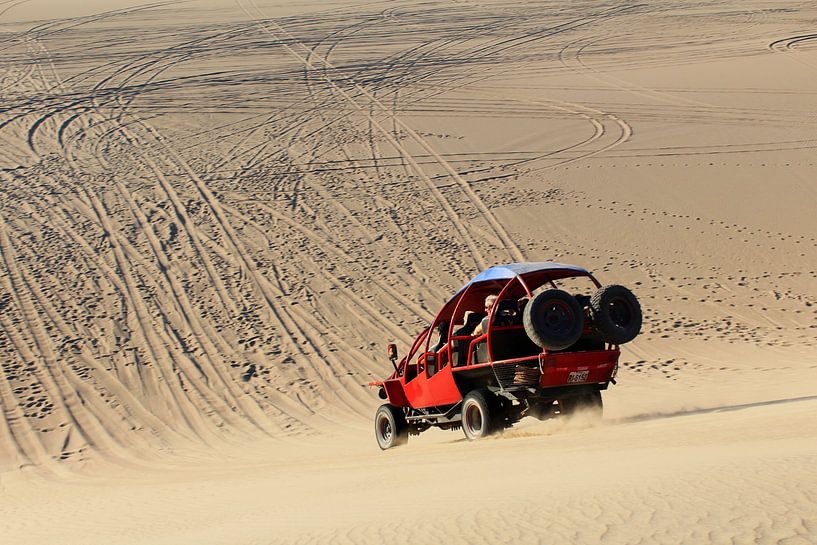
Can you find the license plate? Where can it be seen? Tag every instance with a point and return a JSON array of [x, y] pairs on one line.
[[578, 376]]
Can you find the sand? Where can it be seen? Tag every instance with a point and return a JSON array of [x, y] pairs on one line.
[[214, 215]]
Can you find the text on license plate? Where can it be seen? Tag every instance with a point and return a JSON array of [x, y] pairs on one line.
[[577, 376]]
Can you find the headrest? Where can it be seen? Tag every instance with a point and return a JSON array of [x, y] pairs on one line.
[[506, 312], [471, 317]]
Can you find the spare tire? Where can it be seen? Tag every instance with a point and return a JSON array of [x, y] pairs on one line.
[[553, 319], [616, 314]]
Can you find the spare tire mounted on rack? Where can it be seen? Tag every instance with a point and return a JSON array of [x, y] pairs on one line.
[[553, 319], [616, 314]]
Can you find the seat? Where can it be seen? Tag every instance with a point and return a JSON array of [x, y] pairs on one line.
[[512, 343], [471, 321], [507, 313], [509, 343], [481, 353], [459, 348]]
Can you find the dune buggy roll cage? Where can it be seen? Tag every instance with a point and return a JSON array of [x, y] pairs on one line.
[[502, 279]]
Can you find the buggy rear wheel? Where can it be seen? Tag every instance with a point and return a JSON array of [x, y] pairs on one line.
[[390, 428], [478, 415], [541, 410], [589, 404]]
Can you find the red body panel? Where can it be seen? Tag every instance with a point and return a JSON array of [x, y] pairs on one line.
[[557, 368], [430, 391], [395, 392], [440, 389]]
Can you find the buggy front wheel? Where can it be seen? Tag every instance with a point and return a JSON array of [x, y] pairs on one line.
[[390, 428]]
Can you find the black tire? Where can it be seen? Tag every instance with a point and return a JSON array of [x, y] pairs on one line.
[[478, 415], [541, 410], [506, 414], [553, 319], [616, 314], [589, 403], [390, 428]]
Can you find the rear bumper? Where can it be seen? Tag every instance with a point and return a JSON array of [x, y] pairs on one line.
[[573, 368], [559, 370]]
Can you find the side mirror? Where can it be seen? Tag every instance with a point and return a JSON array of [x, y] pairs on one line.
[[392, 350]]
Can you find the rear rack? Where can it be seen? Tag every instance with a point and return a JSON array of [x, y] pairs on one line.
[[516, 375]]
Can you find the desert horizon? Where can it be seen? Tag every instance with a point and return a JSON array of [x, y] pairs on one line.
[[214, 217]]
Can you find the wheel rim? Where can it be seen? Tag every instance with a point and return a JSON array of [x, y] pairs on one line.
[[385, 429], [473, 419], [620, 312], [557, 318]]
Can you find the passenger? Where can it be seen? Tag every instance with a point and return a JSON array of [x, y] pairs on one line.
[[470, 321], [490, 301], [442, 333]]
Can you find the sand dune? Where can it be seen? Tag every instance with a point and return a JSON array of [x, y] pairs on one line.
[[214, 215], [740, 474]]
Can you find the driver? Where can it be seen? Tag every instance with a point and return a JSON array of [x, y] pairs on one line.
[[490, 301]]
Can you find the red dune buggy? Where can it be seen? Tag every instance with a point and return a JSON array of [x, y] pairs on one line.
[[517, 340]]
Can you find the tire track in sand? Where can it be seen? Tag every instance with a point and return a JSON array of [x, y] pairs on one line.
[[265, 289], [251, 412], [58, 219], [49, 372], [458, 224], [180, 208], [161, 350]]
